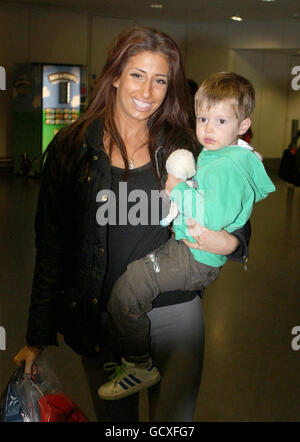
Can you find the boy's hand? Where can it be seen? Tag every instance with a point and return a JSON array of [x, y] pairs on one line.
[[171, 182]]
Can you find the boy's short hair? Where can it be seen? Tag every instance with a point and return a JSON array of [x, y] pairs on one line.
[[227, 86]]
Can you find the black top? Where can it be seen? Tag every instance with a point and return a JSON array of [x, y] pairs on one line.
[[134, 229]]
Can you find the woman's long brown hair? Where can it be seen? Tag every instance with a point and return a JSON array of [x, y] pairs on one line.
[[170, 124]]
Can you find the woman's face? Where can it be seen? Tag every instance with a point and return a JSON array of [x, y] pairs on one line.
[[142, 86]]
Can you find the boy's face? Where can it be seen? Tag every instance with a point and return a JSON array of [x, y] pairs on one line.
[[218, 126]]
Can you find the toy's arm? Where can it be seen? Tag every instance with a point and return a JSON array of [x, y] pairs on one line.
[[173, 212]]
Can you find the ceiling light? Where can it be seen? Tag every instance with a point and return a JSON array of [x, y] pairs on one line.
[[268, 1], [236, 18], [156, 6]]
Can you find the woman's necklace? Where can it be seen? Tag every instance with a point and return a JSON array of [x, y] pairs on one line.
[[131, 164]]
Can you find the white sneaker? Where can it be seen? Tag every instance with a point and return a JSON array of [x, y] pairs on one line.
[[128, 379]]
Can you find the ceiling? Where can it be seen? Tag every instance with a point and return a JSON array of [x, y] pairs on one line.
[[179, 10]]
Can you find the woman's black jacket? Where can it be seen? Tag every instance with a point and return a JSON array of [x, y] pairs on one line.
[[71, 248]]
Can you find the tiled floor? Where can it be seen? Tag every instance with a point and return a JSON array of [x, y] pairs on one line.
[[251, 372]]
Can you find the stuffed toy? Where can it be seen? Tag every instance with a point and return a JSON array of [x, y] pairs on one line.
[[181, 164]]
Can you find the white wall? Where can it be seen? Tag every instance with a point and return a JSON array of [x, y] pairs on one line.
[[260, 34], [269, 74], [176, 30], [57, 37], [103, 31], [54, 35], [255, 50]]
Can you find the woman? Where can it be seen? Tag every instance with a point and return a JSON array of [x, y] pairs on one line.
[[139, 113]]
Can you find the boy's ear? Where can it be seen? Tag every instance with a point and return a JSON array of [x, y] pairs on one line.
[[244, 126]]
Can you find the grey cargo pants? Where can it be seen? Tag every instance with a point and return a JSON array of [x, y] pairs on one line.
[[169, 268]]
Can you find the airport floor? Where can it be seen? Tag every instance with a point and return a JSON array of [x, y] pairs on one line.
[[252, 360]]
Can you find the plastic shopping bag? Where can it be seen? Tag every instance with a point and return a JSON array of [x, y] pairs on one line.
[[37, 399], [10, 407]]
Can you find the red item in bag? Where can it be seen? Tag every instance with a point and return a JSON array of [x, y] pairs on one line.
[[59, 408]]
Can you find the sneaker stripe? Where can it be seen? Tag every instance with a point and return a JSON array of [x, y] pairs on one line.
[[125, 387], [131, 376], [131, 384]]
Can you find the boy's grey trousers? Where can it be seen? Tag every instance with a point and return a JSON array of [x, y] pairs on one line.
[[169, 268]]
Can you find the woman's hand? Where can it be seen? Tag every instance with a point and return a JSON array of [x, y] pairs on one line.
[[218, 242], [28, 355]]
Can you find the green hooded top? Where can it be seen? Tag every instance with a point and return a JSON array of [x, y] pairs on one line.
[[230, 180]]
